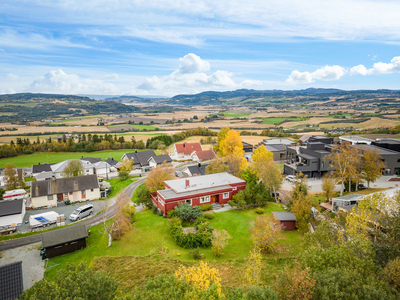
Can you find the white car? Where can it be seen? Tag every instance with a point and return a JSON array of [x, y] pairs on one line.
[[291, 178]]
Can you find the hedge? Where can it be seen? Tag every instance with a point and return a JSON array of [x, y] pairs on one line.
[[202, 237]]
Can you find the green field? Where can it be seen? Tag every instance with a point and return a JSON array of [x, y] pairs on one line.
[[51, 157], [274, 121], [137, 126], [117, 186], [233, 114]]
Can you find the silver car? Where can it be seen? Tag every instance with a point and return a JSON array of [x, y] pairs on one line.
[[81, 212]]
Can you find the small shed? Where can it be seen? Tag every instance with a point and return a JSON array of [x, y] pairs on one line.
[[11, 281], [286, 218], [65, 240]]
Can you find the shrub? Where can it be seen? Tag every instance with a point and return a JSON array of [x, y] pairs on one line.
[[195, 253], [259, 211], [171, 213], [155, 209], [206, 207], [265, 233], [187, 212], [219, 241], [160, 213], [202, 237], [123, 175], [252, 293], [209, 216]]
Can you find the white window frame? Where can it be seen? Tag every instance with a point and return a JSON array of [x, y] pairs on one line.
[[50, 197], [205, 199], [234, 188], [189, 201], [225, 195]]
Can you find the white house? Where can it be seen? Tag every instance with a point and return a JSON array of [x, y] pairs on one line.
[[154, 161], [12, 212], [184, 150], [58, 169], [200, 156], [103, 168], [75, 189]]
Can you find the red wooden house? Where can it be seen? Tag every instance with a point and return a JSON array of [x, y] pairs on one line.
[[206, 189]]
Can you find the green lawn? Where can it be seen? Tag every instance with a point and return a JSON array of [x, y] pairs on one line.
[[52, 157], [234, 114], [117, 186], [137, 126], [139, 250], [273, 121]]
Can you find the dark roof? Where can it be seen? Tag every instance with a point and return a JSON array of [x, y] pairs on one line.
[[142, 157], [380, 150], [306, 156], [91, 159], [246, 144], [11, 281], [64, 235], [10, 207], [284, 215], [159, 159], [41, 168], [112, 161], [276, 148], [63, 185], [196, 170]]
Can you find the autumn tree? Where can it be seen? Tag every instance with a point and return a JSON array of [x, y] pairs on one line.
[[391, 273], [301, 202], [232, 144], [252, 269], [219, 241], [328, 186], [73, 168], [237, 164], [217, 165], [265, 233], [220, 138], [122, 222], [157, 176], [372, 165], [11, 179], [125, 169], [342, 161], [142, 196], [201, 277]]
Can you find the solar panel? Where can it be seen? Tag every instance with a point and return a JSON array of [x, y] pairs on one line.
[[41, 219]]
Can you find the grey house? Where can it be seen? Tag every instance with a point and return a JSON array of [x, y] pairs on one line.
[[389, 157]]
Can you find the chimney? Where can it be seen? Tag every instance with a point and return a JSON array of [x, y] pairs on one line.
[[135, 151], [54, 188], [199, 165], [37, 191], [187, 184], [184, 144], [75, 186]]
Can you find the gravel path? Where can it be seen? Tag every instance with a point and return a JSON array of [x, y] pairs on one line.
[[32, 264]]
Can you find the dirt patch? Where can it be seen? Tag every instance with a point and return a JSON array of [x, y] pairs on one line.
[[188, 230]]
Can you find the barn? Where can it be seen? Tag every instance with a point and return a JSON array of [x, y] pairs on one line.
[[64, 240], [286, 218]]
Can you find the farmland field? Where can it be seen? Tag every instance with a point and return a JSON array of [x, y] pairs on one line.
[[51, 157], [234, 114], [137, 126]]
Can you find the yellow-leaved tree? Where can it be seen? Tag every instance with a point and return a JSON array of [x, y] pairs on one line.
[[201, 277], [157, 176], [220, 138], [231, 149], [252, 271]]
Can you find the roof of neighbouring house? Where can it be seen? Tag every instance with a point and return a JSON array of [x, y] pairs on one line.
[[276, 148], [59, 167], [159, 159], [188, 148], [64, 235], [112, 161], [205, 154], [355, 138], [11, 207], [381, 151], [63, 185], [91, 159], [284, 215], [198, 183], [171, 194], [41, 168], [304, 138], [278, 141], [196, 170], [142, 157], [44, 175], [246, 144], [11, 281]]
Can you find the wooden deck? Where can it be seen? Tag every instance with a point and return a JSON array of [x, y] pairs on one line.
[[326, 205]]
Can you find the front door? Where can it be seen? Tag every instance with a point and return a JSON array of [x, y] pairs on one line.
[[213, 199], [60, 197]]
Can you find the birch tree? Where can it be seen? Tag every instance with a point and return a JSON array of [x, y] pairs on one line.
[[372, 165]]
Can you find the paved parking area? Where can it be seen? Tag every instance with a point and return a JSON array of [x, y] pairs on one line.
[[32, 263], [66, 210]]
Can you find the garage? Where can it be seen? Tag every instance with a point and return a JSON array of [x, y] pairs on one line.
[[286, 218], [65, 240], [12, 212]]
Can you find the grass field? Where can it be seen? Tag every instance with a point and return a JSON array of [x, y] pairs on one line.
[[149, 250], [274, 121], [117, 186], [237, 115], [137, 126], [51, 157]]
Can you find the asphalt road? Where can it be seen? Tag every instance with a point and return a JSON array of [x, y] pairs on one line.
[[14, 243]]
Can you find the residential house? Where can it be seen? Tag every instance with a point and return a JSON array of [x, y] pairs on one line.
[[390, 144], [158, 160], [354, 140], [91, 159], [11, 281], [184, 150], [278, 141], [303, 140], [12, 212], [200, 156], [321, 139], [36, 169], [75, 189], [64, 240], [146, 159], [197, 190], [58, 169], [114, 163], [390, 157], [278, 147], [103, 168], [247, 147], [197, 170]]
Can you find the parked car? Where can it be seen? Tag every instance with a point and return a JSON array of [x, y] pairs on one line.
[[81, 212], [291, 178], [7, 230]]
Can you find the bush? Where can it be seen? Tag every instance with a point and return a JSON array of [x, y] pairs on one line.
[[259, 211], [209, 216], [160, 212], [171, 213], [187, 212], [202, 237], [195, 253], [252, 293], [155, 209], [206, 207], [123, 175]]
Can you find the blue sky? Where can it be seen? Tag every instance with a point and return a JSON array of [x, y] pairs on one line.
[[169, 47]]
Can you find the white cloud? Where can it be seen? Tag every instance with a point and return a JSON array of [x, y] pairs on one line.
[[190, 74], [378, 68], [327, 73], [57, 81]]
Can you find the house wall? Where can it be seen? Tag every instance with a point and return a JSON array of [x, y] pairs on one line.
[[65, 248], [288, 225], [77, 195], [17, 219], [43, 201]]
